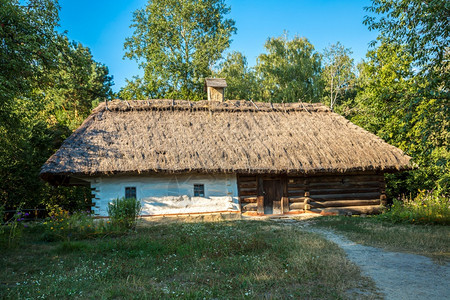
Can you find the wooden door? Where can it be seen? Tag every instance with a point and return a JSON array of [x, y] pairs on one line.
[[272, 196]]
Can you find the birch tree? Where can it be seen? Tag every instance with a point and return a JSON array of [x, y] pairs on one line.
[[338, 71]]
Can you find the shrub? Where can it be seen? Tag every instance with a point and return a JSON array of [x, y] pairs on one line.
[[123, 212], [428, 207]]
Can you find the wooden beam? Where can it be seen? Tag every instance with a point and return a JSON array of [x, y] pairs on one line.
[[260, 193], [344, 203], [285, 198]]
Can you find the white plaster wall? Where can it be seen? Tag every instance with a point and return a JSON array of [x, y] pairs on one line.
[[168, 194]]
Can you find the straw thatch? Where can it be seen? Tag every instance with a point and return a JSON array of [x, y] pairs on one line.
[[130, 137]]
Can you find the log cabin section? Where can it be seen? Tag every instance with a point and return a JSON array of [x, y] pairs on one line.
[[289, 194]]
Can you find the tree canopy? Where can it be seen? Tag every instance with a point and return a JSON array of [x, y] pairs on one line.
[[48, 87], [290, 70], [241, 79], [337, 72], [177, 43]]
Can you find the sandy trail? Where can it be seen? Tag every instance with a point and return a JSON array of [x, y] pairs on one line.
[[397, 275]]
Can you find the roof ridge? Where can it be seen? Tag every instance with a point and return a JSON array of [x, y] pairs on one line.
[[229, 105]]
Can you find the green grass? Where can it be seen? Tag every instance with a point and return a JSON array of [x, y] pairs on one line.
[[429, 240], [223, 260]]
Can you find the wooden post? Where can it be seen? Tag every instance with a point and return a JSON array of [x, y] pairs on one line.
[[260, 198], [285, 198], [306, 205]]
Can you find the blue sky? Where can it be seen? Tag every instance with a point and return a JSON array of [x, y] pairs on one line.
[[103, 26]]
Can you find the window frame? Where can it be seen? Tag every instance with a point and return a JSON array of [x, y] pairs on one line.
[[199, 190], [129, 191]]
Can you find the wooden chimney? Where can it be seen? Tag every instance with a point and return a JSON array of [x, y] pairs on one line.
[[215, 88]]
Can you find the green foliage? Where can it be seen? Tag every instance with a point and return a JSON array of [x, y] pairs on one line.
[[428, 207], [338, 73], [124, 212], [393, 103], [241, 80], [290, 70], [48, 86], [404, 96], [422, 27], [75, 87], [176, 43], [27, 31]]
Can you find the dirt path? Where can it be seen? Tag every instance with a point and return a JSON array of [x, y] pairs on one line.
[[397, 275]]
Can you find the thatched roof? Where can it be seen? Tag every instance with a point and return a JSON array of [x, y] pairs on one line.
[[215, 82], [171, 136]]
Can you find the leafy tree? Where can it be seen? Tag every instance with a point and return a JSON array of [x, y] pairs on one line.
[[241, 79], [76, 86], [415, 35], [338, 72], [391, 105], [27, 49], [47, 87], [290, 70], [421, 26], [176, 43]]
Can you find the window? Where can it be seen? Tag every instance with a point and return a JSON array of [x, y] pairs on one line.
[[130, 192], [199, 190]]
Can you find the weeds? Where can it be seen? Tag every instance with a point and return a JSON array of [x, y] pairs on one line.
[[11, 229], [429, 207]]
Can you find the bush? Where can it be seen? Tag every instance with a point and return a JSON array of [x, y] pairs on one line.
[[429, 207], [123, 212]]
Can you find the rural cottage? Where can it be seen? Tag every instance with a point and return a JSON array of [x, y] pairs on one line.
[[180, 156]]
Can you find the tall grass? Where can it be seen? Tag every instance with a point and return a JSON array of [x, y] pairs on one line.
[[429, 207]]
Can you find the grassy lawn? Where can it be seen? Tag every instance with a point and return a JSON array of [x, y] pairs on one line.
[[428, 240], [235, 259]]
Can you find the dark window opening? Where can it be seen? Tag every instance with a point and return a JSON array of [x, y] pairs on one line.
[[199, 190], [130, 192]]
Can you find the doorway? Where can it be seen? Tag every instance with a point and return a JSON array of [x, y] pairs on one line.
[[272, 196]]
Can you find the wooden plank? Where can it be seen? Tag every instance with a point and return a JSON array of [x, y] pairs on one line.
[[252, 189], [345, 178], [344, 203], [345, 184], [246, 179], [248, 185], [260, 205], [344, 190], [296, 185], [294, 206], [260, 193], [369, 209], [296, 199], [296, 193], [285, 198], [348, 196], [249, 207], [248, 193], [248, 199]]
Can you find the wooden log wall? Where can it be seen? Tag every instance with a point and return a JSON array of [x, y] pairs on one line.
[[359, 193], [247, 189]]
